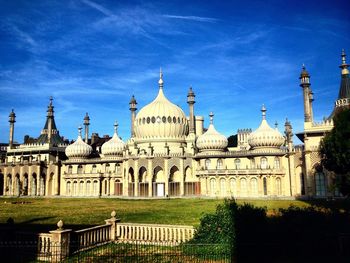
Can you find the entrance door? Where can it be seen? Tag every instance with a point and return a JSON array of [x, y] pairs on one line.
[[160, 189]]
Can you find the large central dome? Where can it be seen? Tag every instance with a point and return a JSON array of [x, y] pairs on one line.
[[161, 120]]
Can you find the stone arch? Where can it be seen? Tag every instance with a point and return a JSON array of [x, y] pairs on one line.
[[212, 187], [95, 188], [75, 188], [265, 185], [131, 177], [25, 184], [88, 188], [8, 187], [142, 174], [34, 184], [278, 183], [42, 184], [68, 188], [118, 187], [17, 185], [158, 174], [80, 169], [81, 188], [188, 175], [233, 186], [175, 175], [50, 184]]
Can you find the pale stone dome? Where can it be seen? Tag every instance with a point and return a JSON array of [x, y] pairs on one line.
[[78, 149], [161, 119], [114, 146], [211, 140], [265, 136]]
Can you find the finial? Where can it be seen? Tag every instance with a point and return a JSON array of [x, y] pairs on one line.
[[263, 110], [79, 130], [303, 67], [115, 127], [344, 66], [113, 214], [86, 119], [51, 99], [211, 116], [276, 124], [160, 82], [60, 225]]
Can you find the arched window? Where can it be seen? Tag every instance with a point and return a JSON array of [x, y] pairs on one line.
[[320, 181], [243, 187], [95, 188], [223, 187], [81, 188], [233, 186], [237, 163], [220, 164], [88, 188], [207, 164], [263, 163], [276, 163], [94, 169], [278, 186], [80, 169], [252, 163], [107, 167], [70, 169], [254, 186], [265, 185], [69, 190], [212, 187]]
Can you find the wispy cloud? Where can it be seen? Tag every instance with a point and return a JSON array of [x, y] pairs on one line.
[[193, 18], [98, 7], [21, 35]]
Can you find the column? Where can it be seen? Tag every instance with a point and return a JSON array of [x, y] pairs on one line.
[[166, 176], [182, 176], [150, 177], [136, 176]]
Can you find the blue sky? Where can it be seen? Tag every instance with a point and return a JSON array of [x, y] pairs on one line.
[[91, 56]]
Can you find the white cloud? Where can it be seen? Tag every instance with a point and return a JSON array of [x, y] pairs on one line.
[[193, 18]]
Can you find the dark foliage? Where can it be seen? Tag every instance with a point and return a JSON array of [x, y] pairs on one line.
[[335, 150], [232, 141]]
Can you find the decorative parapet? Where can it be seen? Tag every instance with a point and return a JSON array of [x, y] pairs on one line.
[[241, 172], [242, 153]]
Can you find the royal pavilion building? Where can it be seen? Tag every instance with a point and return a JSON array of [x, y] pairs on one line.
[[171, 154]]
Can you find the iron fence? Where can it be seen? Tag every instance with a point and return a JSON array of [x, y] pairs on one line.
[[135, 251]]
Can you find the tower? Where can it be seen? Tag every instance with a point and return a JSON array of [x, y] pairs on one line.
[[86, 124], [191, 102], [50, 114], [344, 91], [12, 120], [307, 94], [132, 108]]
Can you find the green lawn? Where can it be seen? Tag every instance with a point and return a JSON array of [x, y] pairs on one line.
[[81, 211]]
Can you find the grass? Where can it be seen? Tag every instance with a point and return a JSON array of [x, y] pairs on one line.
[[87, 212]]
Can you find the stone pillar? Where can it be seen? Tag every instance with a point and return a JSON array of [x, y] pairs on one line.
[[60, 241], [182, 176], [126, 179], [12, 120], [113, 222], [56, 180], [136, 176], [150, 177], [166, 177]]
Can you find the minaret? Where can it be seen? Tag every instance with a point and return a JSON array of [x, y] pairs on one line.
[[344, 91], [86, 124], [12, 120], [288, 131], [50, 115], [191, 102], [305, 84], [132, 108]]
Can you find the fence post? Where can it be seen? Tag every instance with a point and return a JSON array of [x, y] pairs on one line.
[[113, 222], [60, 241]]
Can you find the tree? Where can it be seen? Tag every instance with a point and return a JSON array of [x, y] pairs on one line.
[[232, 141], [335, 150]]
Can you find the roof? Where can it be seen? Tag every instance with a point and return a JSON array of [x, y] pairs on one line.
[[344, 91]]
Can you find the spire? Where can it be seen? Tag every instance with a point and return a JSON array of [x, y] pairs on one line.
[[344, 66], [344, 91], [263, 110], [160, 82], [304, 76], [50, 107], [116, 127], [211, 116], [79, 130], [276, 124]]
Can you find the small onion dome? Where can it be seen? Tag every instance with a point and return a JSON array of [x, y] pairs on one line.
[[265, 136], [211, 140], [304, 72], [114, 146], [78, 149]]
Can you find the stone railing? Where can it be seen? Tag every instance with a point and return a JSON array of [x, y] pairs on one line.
[[93, 236], [44, 246], [154, 233], [58, 244]]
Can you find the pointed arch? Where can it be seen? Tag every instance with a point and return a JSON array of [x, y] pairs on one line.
[[34, 184], [25, 184], [142, 174], [17, 185], [8, 188], [158, 182], [174, 181]]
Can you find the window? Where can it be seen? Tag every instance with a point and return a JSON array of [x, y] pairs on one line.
[[278, 186], [320, 181], [237, 163], [219, 164], [265, 186], [164, 119], [207, 164], [243, 184], [252, 164], [169, 119], [223, 186], [148, 120], [153, 119], [107, 167], [80, 169], [254, 186], [212, 186], [174, 119], [276, 163], [94, 168], [70, 169], [263, 163], [233, 186]]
